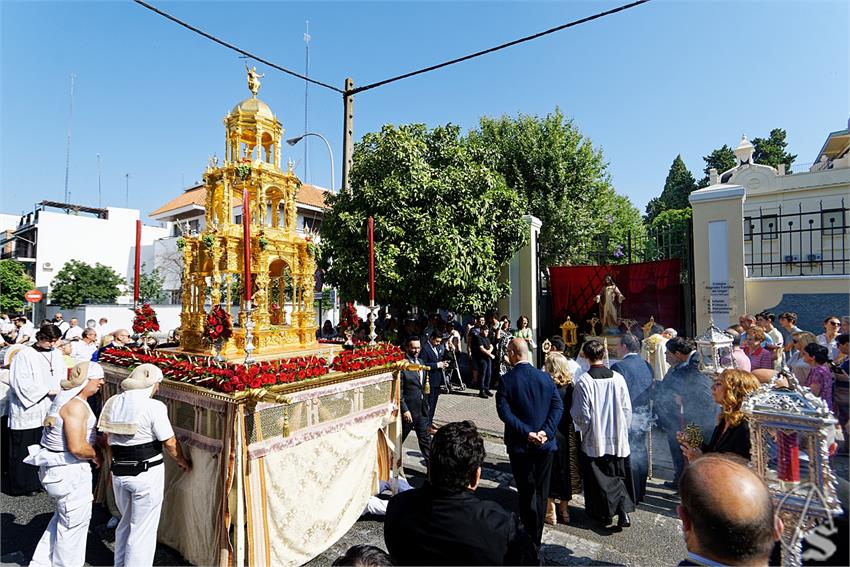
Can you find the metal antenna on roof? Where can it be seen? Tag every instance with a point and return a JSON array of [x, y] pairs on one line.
[[68, 145]]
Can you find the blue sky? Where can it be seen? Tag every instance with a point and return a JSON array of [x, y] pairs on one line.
[[661, 79]]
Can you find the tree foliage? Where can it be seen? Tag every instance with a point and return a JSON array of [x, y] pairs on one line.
[[445, 222], [78, 282], [14, 283], [722, 159], [678, 186], [561, 178], [771, 150], [150, 285]]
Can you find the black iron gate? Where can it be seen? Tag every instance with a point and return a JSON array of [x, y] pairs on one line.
[[654, 243]]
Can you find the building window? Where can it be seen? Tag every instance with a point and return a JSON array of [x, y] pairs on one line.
[[194, 226], [312, 224], [748, 228], [238, 219], [833, 222], [769, 227]]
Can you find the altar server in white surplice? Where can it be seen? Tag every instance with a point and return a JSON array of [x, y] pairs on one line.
[[63, 455], [138, 429], [34, 377]]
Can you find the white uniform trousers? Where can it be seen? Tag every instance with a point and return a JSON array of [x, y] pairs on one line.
[[64, 540], [139, 499]]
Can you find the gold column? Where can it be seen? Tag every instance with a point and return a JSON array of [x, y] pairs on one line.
[[215, 287]]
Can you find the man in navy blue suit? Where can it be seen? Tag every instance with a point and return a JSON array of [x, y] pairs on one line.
[[433, 356], [414, 399], [529, 405], [638, 375]]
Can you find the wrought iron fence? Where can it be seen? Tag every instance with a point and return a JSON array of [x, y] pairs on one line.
[[812, 243]]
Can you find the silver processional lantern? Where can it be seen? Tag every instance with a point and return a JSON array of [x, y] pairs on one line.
[[715, 350], [791, 433]]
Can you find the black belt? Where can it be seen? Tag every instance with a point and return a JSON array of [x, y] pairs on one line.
[[136, 452], [132, 468]]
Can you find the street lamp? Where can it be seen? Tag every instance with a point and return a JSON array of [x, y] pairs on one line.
[[295, 140]]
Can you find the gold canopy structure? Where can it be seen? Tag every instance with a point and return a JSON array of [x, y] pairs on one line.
[[282, 262]]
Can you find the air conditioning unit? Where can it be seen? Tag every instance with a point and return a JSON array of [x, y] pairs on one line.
[[813, 257], [47, 267], [791, 259]]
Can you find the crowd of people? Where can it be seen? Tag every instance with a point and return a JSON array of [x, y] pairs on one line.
[[574, 425], [58, 433]]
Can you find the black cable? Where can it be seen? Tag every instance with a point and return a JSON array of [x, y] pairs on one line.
[[497, 48], [234, 48]]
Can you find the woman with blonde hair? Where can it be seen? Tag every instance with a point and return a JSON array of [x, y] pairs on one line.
[[564, 479], [798, 366], [732, 434]]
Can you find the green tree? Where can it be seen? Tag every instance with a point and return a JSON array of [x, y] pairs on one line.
[[445, 222], [722, 159], [150, 285], [561, 178], [623, 226], [771, 150], [78, 282], [679, 184], [14, 283]]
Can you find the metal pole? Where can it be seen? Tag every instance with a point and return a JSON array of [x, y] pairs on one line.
[[306, 90], [68, 145], [347, 134]]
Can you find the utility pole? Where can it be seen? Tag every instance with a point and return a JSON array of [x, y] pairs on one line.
[[68, 145], [347, 133], [307, 38], [98, 181]]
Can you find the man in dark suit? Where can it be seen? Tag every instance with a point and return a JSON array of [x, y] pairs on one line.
[[414, 399], [683, 397], [528, 403], [433, 356], [444, 522], [638, 375]]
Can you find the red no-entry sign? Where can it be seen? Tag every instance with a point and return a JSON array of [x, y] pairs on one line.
[[33, 296]]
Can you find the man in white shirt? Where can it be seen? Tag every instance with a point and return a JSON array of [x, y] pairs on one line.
[[60, 322], [602, 413], [102, 331], [83, 349], [26, 331], [74, 332]]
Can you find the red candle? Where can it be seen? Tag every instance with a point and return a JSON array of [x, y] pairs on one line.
[[246, 239], [789, 457], [138, 262], [371, 261]]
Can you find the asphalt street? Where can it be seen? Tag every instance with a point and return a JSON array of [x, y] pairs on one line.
[[653, 539]]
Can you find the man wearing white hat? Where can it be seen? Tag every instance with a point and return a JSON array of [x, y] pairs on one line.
[[138, 429], [67, 445]]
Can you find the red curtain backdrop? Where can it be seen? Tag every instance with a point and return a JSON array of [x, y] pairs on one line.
[[650, 288]]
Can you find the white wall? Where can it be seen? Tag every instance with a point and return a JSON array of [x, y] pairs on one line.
[[111, 242], [120, 316], [8, 222]]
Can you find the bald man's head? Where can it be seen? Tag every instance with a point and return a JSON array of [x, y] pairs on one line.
[[727, 512], [517, 351]]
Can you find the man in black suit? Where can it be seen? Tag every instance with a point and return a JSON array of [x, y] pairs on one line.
[[638, 375], [528, 403], [414, 399], [444, 522], [727, 513], [433, 356]]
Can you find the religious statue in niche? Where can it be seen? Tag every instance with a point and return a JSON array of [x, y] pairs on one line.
[[610, 300]]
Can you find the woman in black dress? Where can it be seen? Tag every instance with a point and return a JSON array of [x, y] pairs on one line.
[[564, 478], [732, 434]]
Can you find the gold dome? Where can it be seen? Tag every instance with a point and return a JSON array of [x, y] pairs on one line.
[[255, 106]]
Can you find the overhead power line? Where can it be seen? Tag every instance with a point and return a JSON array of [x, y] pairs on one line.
[[497, 48], [399, 77], [234, 48]]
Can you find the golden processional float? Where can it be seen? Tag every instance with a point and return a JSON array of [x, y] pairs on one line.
[[282, 262], [286, 449]]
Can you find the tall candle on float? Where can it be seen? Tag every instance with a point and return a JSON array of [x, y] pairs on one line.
[[137, 267], [246, 243], [371, 231]]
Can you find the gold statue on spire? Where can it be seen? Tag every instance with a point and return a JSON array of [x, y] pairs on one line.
[[253, 79]]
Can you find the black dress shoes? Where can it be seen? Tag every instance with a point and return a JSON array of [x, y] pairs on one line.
[[623, 520]]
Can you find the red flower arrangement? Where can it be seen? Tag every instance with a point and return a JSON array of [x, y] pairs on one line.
[[145, 320], [218, 325], [224, 377], [348, 318], [360, 358]]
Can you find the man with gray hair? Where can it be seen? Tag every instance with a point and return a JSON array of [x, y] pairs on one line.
[[85, 348]]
